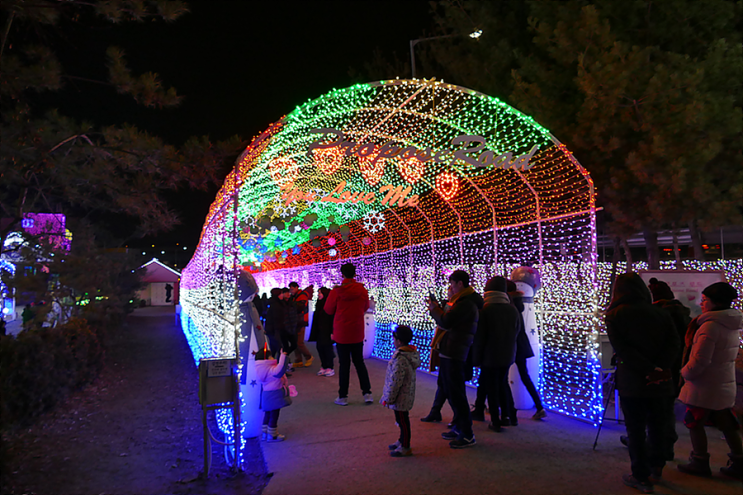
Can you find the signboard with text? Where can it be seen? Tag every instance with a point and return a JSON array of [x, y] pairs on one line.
[[687, 286]]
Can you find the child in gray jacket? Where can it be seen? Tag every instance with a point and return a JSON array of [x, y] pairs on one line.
[[399, 386]]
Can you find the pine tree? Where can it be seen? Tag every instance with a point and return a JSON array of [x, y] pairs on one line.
[[107, 178], [646, 94]]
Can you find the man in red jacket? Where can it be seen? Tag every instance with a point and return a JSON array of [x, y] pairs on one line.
[[348, 302]]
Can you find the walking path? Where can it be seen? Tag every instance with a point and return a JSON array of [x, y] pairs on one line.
[[343, 450], [136, 430]]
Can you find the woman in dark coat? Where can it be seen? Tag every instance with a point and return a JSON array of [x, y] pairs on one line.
[[322, 328], [524, 352], [645, 344]]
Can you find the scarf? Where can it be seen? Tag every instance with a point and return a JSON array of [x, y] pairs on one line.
[[462, 293]]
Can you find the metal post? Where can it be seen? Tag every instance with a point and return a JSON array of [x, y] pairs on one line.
[[722, 245], [415, 42], [412, 58]]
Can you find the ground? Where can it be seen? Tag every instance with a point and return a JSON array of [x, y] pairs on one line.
[[136, 430]]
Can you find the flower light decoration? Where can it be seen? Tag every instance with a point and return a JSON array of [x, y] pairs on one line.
[[411, 179]]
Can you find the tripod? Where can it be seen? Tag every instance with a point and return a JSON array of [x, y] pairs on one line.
[[606, 406]]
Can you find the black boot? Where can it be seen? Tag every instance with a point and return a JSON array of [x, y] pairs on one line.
[[495, 424], [698, 465], [433, 417], [514, 419], [734, 469]]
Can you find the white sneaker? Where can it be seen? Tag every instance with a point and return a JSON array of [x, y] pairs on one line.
[[368, 398], [329, 372], [341, 401], [322, 372]]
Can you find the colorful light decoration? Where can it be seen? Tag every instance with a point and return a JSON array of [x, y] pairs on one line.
[[447, 185], [491, 190]]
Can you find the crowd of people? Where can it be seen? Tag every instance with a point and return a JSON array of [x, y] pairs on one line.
[[661, 355], [471, 331]]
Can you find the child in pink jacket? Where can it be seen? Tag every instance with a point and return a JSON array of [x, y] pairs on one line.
[[274, 391]]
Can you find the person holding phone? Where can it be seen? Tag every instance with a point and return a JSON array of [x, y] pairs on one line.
[[460, 323]]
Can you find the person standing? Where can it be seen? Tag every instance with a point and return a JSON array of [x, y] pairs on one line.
[[281, 321], [460, 323], [399, 386], [322, 329], [645, 343], [524, 351], [348, 302], [271, 373], [709, 381], [494, 346], [301, 300], [247, 288], [274, 321], [434, 416], [663, 298]]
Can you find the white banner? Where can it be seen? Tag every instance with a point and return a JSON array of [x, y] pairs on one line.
[[687, 286]]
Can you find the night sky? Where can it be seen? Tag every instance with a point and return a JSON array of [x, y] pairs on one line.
[[243, 65]]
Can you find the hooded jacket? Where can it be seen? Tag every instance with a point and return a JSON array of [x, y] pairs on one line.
[[271, 372], [643, 337], [710, 373], [460, 323], [495, 341], [348, 302], [399, 381]]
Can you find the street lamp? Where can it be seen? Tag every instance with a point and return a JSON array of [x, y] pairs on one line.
[[474, 35]]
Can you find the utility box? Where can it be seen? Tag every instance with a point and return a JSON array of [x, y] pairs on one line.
[[217, 381], [218, 389]]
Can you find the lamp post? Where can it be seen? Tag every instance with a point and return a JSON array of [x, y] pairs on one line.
[[474, 35]]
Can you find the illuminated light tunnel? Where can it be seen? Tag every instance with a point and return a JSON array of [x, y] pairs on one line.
[[409, 180]]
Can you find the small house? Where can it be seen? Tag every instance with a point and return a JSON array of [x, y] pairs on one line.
[[162, 284]]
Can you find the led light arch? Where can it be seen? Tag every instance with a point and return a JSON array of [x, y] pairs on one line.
[[409, 180]]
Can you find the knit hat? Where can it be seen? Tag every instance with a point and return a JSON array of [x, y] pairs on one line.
[[496, 283], [721, 293], [660, 290], [403, 333]]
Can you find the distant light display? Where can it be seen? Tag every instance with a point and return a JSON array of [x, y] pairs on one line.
[[409, 180]]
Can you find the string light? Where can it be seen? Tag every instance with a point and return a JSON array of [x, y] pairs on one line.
[[424, 178]]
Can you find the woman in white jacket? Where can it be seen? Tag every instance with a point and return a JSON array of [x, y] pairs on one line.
[[709, 389]]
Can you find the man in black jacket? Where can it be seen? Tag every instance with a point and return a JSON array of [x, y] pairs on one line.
[[281, 321], [646, 344], [494, 347], [460, 323]]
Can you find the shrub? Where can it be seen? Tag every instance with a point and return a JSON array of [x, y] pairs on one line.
[[41, 366]]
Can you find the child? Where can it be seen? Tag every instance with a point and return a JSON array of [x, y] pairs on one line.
[[399, 386], [274, 393]]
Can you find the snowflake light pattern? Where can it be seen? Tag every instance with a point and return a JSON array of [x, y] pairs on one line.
[[374, 221]]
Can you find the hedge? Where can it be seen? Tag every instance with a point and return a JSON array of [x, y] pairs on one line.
[[42, 366]]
